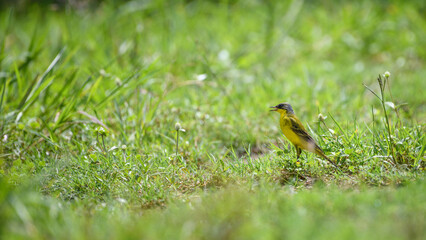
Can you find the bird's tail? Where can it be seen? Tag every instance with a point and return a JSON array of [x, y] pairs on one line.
[[319, 152]]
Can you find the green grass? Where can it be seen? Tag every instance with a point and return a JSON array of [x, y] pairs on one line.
[[265, 211], [136, 69]]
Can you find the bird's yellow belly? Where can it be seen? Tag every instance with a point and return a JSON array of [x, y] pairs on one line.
[[292, 137], [296, 140]]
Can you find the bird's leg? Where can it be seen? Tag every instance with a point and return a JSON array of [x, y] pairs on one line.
[[299, 151]]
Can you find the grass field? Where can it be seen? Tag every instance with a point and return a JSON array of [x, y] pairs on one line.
[[90, 97]]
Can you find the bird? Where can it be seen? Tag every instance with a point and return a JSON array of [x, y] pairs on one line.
[[296, 133]]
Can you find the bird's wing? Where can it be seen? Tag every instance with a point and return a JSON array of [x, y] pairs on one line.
[[298, 128]]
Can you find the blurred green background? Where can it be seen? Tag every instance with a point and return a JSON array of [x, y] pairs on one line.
[[135, 68]]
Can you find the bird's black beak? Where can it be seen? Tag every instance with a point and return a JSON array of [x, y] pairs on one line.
[[274, 109]]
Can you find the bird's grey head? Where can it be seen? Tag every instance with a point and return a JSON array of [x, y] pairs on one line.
[[283, 106]]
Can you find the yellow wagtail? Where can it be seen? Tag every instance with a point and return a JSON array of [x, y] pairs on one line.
[[296, 133]]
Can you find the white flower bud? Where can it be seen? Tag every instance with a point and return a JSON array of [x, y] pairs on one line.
[[386, 74], [178, 126]]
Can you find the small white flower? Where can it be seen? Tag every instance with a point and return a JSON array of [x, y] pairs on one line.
[[5, 138], [201, 77], [101, 130], [321, 117]]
